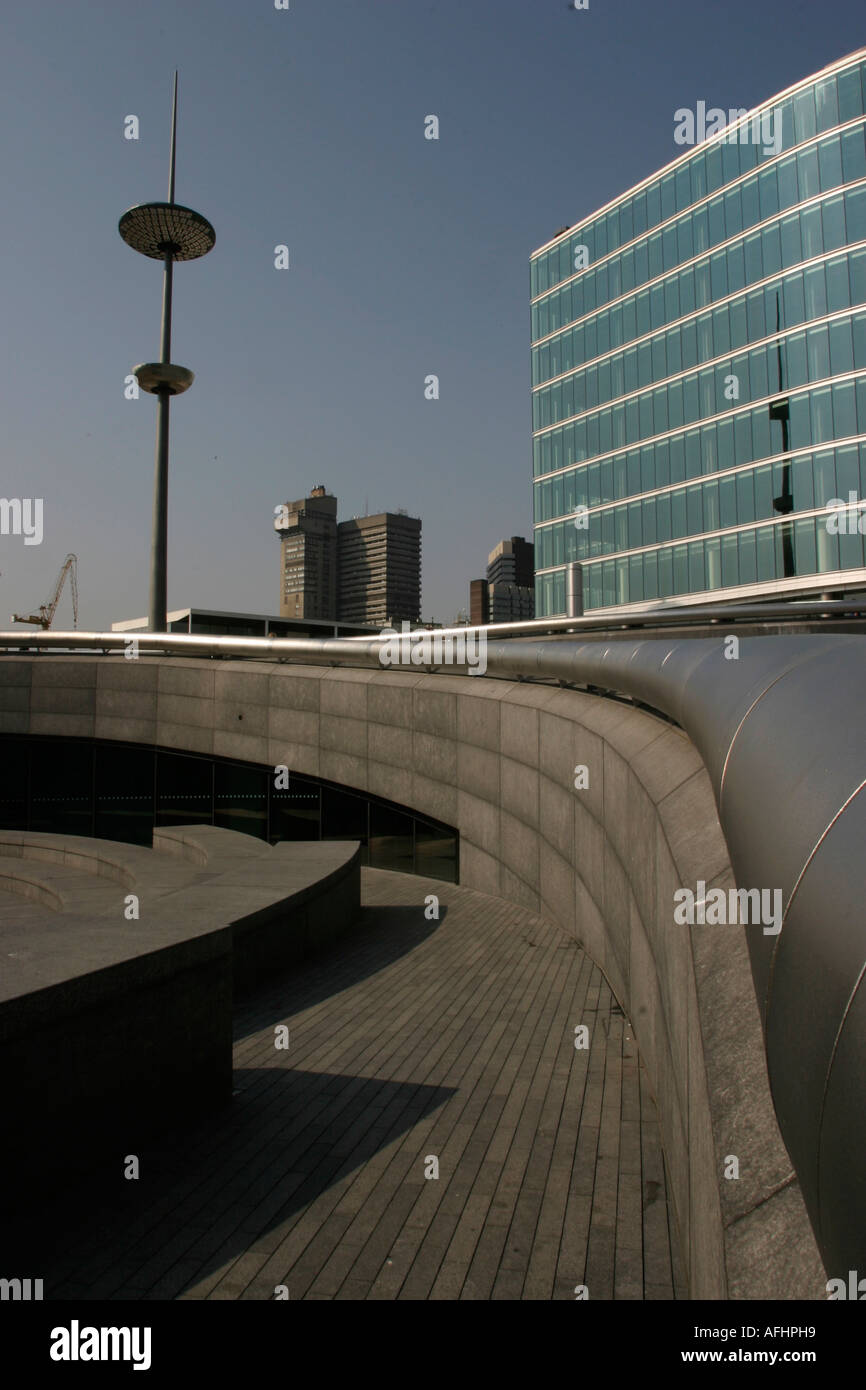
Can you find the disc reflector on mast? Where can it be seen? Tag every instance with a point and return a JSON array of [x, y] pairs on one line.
[[167, 229], [163, 376]]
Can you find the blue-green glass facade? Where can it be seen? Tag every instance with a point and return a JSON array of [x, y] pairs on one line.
[[657, 351]]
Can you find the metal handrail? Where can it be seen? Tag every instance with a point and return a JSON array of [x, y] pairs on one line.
[[363, 651]]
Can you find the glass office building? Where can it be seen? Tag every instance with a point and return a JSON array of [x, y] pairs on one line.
[[699, 369]]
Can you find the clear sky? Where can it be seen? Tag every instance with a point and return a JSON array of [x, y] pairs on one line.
[[408, 257]]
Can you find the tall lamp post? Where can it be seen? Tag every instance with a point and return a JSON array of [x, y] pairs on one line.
[[166, 232]]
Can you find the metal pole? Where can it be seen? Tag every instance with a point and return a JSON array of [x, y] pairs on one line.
[[574, 590], [171, 158], [168, 232], [159, 540]]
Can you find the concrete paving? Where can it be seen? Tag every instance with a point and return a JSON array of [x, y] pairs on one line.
[[414, 1040]]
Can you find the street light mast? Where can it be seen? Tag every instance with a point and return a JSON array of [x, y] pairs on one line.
[[166, 232]]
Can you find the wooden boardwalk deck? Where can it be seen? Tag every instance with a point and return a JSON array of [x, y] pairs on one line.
[[413, 1040]]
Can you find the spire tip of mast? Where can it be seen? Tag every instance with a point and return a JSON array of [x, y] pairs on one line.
[[173, 151]]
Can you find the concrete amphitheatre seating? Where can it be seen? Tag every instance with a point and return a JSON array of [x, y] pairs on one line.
[[112, 1025]]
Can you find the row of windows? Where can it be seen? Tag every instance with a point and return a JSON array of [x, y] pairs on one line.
[[831, 412], [699, 233], [812, 112], [721, 562], [806, 294], [643, 470], [121, 792], [737, 499], [808, 355]]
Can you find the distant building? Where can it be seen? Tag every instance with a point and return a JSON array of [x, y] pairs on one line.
[[366, 571], [511, 562], [379, 569], [308, 556], [479, 603], [213, 622], [511, 603], [508, 593]]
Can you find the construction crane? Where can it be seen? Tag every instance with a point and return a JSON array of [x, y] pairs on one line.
[[45, 616]]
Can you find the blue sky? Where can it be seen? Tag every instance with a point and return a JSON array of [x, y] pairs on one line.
[[407, 257]]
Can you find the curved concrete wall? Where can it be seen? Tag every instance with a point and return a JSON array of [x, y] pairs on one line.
[[496, 759]]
